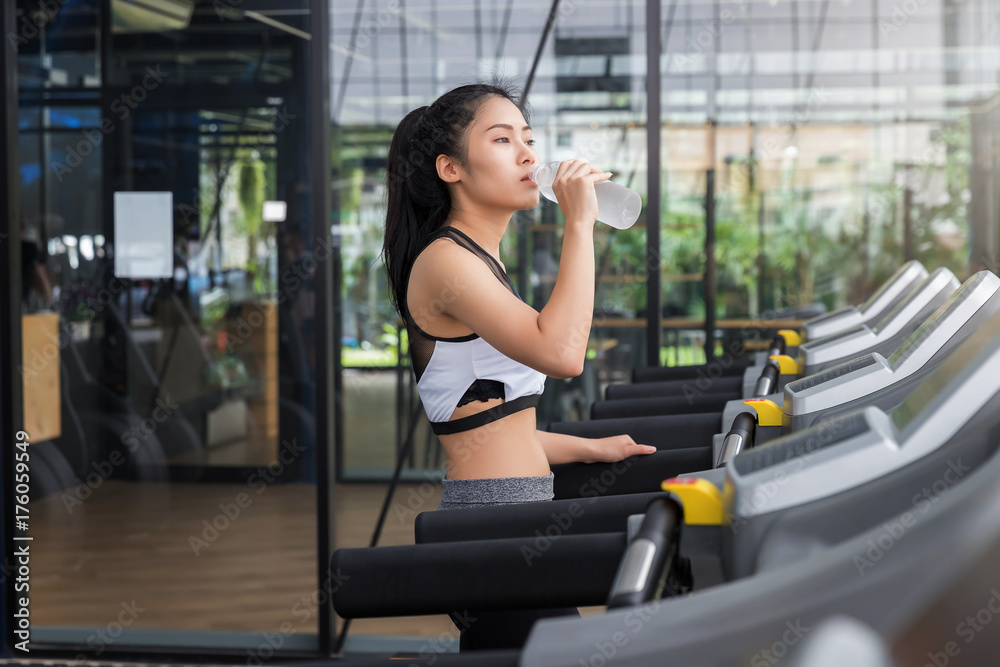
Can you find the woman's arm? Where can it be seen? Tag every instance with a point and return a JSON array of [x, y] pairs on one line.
[[561, 448], [554, 341]]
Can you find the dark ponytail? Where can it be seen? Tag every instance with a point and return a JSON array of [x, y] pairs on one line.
[[419, 202]]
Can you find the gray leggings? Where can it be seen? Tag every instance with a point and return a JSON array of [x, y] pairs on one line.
[[465, 493], [495, 630]]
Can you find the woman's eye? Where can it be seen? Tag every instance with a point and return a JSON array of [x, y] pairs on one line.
[[530, 142]]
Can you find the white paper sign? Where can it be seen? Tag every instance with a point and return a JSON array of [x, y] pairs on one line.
[[144, 234], [275, 211]]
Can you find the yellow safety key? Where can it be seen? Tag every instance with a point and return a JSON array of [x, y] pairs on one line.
[[786, 365], [792, 337], [701, 499], [769, 413]]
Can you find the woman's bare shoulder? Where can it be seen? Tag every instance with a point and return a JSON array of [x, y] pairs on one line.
[[442, 260]]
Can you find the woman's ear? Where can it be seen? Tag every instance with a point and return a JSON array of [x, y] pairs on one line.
[[448, 169]]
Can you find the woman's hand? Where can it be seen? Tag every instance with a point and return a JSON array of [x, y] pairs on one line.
[[574, 189], [615, 448]]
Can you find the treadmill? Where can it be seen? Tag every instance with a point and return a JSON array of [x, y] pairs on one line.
[[675, 397], [892, 291], [886, 517], [798, 515], [875, 379], [901, 283], [852, 384], [884, 336]]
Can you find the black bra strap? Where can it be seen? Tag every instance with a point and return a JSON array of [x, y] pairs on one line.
[[486, 416]]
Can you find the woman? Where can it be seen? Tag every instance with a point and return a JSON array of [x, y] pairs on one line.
[[457, 172]]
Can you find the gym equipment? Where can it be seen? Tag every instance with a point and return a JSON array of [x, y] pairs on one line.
[[576, 569], [873, 379], [901, 283], [894, 290], [841, 387], [817, 355], [687, 396], [808, 518]]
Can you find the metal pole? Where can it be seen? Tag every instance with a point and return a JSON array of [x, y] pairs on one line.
[[318, 109], [538, 51], [654, 332], [710, 277], [909, 251]]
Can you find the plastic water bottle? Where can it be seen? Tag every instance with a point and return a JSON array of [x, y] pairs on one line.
[[617, 205]]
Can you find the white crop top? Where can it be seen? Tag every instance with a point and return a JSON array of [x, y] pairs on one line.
[[452, 372]]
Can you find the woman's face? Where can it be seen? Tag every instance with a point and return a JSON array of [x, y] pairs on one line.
[[500, 155]]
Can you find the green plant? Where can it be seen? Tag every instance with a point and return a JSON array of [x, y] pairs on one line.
[[250, 191]]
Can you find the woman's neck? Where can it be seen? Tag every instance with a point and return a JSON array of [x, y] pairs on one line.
[[486, 232]]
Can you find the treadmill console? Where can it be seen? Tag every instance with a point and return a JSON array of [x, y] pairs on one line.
[[831, 374], [969, 297], [850, 382], [938, 287], [870, 443], [890, 290], [800, 445], [901, 282]]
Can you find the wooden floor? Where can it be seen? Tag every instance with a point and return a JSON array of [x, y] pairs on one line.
[[140, 542], [153, 546]]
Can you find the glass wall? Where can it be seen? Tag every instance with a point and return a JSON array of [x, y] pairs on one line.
[[841, 136], [171, 267]]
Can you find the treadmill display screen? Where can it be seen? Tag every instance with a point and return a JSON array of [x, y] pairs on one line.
[[819, 319], [867, 305], [947, 310], [820, 436], [832, 373], [833, 338], [938, 384]]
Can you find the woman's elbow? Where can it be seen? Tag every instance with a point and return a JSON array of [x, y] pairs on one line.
[[566, 369]]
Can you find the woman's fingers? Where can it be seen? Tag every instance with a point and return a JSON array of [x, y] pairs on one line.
[[574, 189]]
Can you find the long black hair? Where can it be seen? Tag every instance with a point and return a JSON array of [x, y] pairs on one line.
[[419, 202]]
